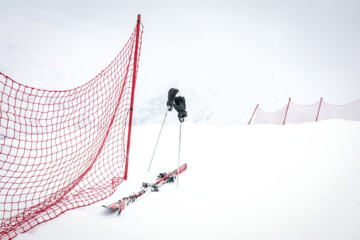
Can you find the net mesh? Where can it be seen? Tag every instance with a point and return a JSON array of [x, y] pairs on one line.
[[263, 117], [62, 150], [349, 111], [302, 113], [318, 111]]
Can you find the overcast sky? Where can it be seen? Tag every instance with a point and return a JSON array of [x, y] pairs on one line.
[[224, 54]]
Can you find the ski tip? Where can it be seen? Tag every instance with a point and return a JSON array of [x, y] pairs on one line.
[[113, 206]]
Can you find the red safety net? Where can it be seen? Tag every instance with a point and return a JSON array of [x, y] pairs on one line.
[[350, 111], [319, 111], [270, 117], [62, 150]]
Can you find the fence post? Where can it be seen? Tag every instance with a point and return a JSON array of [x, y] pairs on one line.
[[253, 113], [287, 108], [317, 116], [132, 94]]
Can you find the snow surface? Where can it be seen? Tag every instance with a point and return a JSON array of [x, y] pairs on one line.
[[242, 182]]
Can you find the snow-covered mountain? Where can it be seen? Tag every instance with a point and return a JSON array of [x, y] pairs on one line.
[[150, 103], [225, 57]]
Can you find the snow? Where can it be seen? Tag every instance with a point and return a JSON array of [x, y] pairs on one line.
[[242, 182], [296, 181]]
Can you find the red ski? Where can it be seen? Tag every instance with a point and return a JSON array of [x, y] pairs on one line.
[[162, 179]]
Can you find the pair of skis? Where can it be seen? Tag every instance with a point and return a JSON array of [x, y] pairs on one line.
[[162, 179]]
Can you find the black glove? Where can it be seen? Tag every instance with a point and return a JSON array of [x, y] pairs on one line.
[[171, 95], [180, 107]]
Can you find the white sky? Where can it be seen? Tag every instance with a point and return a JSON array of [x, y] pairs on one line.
[[228, 54]]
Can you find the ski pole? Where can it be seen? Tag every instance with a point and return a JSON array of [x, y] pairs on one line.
[[157, 141], [177, 180]]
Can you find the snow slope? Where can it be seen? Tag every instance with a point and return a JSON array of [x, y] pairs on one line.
[[242, 182]]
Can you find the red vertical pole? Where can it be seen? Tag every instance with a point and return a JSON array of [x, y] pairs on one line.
[[317, 116], [132, 94], [253, 113], [286, 111]]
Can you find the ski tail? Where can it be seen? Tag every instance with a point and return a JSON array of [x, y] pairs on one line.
[[176, 172], [182, 169]]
